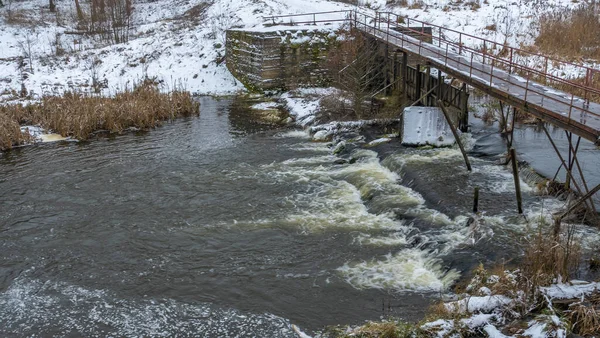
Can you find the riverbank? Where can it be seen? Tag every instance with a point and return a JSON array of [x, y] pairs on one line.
[[527, 297], [80, 116]]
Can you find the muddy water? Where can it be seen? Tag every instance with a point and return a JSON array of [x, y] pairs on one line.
[[217, 227]]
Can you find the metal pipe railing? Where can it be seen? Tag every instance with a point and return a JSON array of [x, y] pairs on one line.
[[437, 53], [453, 52]]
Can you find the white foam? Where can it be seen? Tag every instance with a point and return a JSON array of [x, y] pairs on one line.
[[32, 307], [294, 134], [501, 179], [408, 270], [393, 239]]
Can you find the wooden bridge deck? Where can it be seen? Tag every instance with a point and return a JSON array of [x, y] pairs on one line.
[[491, 73], [559, 108]]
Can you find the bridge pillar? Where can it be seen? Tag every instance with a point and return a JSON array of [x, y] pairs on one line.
[[405, 75], [463, 123], [418, 83]]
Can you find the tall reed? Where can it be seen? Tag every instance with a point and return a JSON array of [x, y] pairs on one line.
[[80, 115]]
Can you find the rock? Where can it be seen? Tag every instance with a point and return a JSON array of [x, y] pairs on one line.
[[322, 136], [340, 161], [341, 146]]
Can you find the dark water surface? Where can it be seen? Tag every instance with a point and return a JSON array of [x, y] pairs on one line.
[[216, 227]]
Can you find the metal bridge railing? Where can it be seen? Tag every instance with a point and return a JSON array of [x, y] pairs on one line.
[[479, 63]]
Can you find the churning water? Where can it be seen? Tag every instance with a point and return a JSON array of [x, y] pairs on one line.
[[217, 227]]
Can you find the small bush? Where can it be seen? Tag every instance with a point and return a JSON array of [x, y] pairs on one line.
[[417, 4], [474, 5], [491, 27]]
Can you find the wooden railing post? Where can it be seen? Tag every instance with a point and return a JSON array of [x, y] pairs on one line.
[[510, 64]]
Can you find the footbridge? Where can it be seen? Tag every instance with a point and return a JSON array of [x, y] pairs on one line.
[[527, 81], [533, 83]]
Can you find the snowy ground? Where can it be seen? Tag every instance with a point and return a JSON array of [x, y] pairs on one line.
[[178, 48], [181, 42]]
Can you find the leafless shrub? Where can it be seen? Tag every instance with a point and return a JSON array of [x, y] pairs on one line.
[[355, 67], [25, 45]]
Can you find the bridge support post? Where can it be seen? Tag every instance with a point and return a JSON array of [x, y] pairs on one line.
[[427, 101], [440, 91], [569, 174], [463, 124], [386, 69], [418, 83], [455, 133], [405, 75], [515, 169]]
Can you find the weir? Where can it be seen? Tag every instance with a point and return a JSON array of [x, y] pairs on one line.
[[493, 68]]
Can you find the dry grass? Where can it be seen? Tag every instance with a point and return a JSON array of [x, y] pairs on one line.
[[383, 329], [571, 33], [585, 317], [417, 4], [548, 257], [79, 115], [493, 27]]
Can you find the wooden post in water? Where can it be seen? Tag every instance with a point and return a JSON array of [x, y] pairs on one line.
[[515, 168], [455, 133], [440, 91], [476, 200], [418, 84], [405, 75], [386, 69], [427, 101], [464, 108]]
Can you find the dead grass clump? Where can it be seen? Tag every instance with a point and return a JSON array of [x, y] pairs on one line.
[[493, 27], [197, 13], [417, 4], [383, 329], [585, 317], [79, 115], [571, 32], [473, 5], [20, 17], [549, 257], [10, 131]]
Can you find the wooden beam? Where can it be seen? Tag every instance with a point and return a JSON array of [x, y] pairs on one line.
[[455, 133]]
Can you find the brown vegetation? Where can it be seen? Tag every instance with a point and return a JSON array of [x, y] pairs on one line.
[[571, 33], [355, 67], [547, 258], [79, 115]]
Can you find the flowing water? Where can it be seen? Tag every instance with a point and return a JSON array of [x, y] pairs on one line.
[[219, 227]]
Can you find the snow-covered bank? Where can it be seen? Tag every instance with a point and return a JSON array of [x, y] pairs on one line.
[[496, 315], [181, 43]]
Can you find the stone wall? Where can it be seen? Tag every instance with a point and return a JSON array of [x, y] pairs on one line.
[[280, 58]]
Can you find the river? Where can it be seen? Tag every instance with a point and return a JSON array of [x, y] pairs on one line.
[[216, 226]]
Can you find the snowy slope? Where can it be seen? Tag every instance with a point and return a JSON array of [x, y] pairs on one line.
[[179, 49], [181, 42]]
